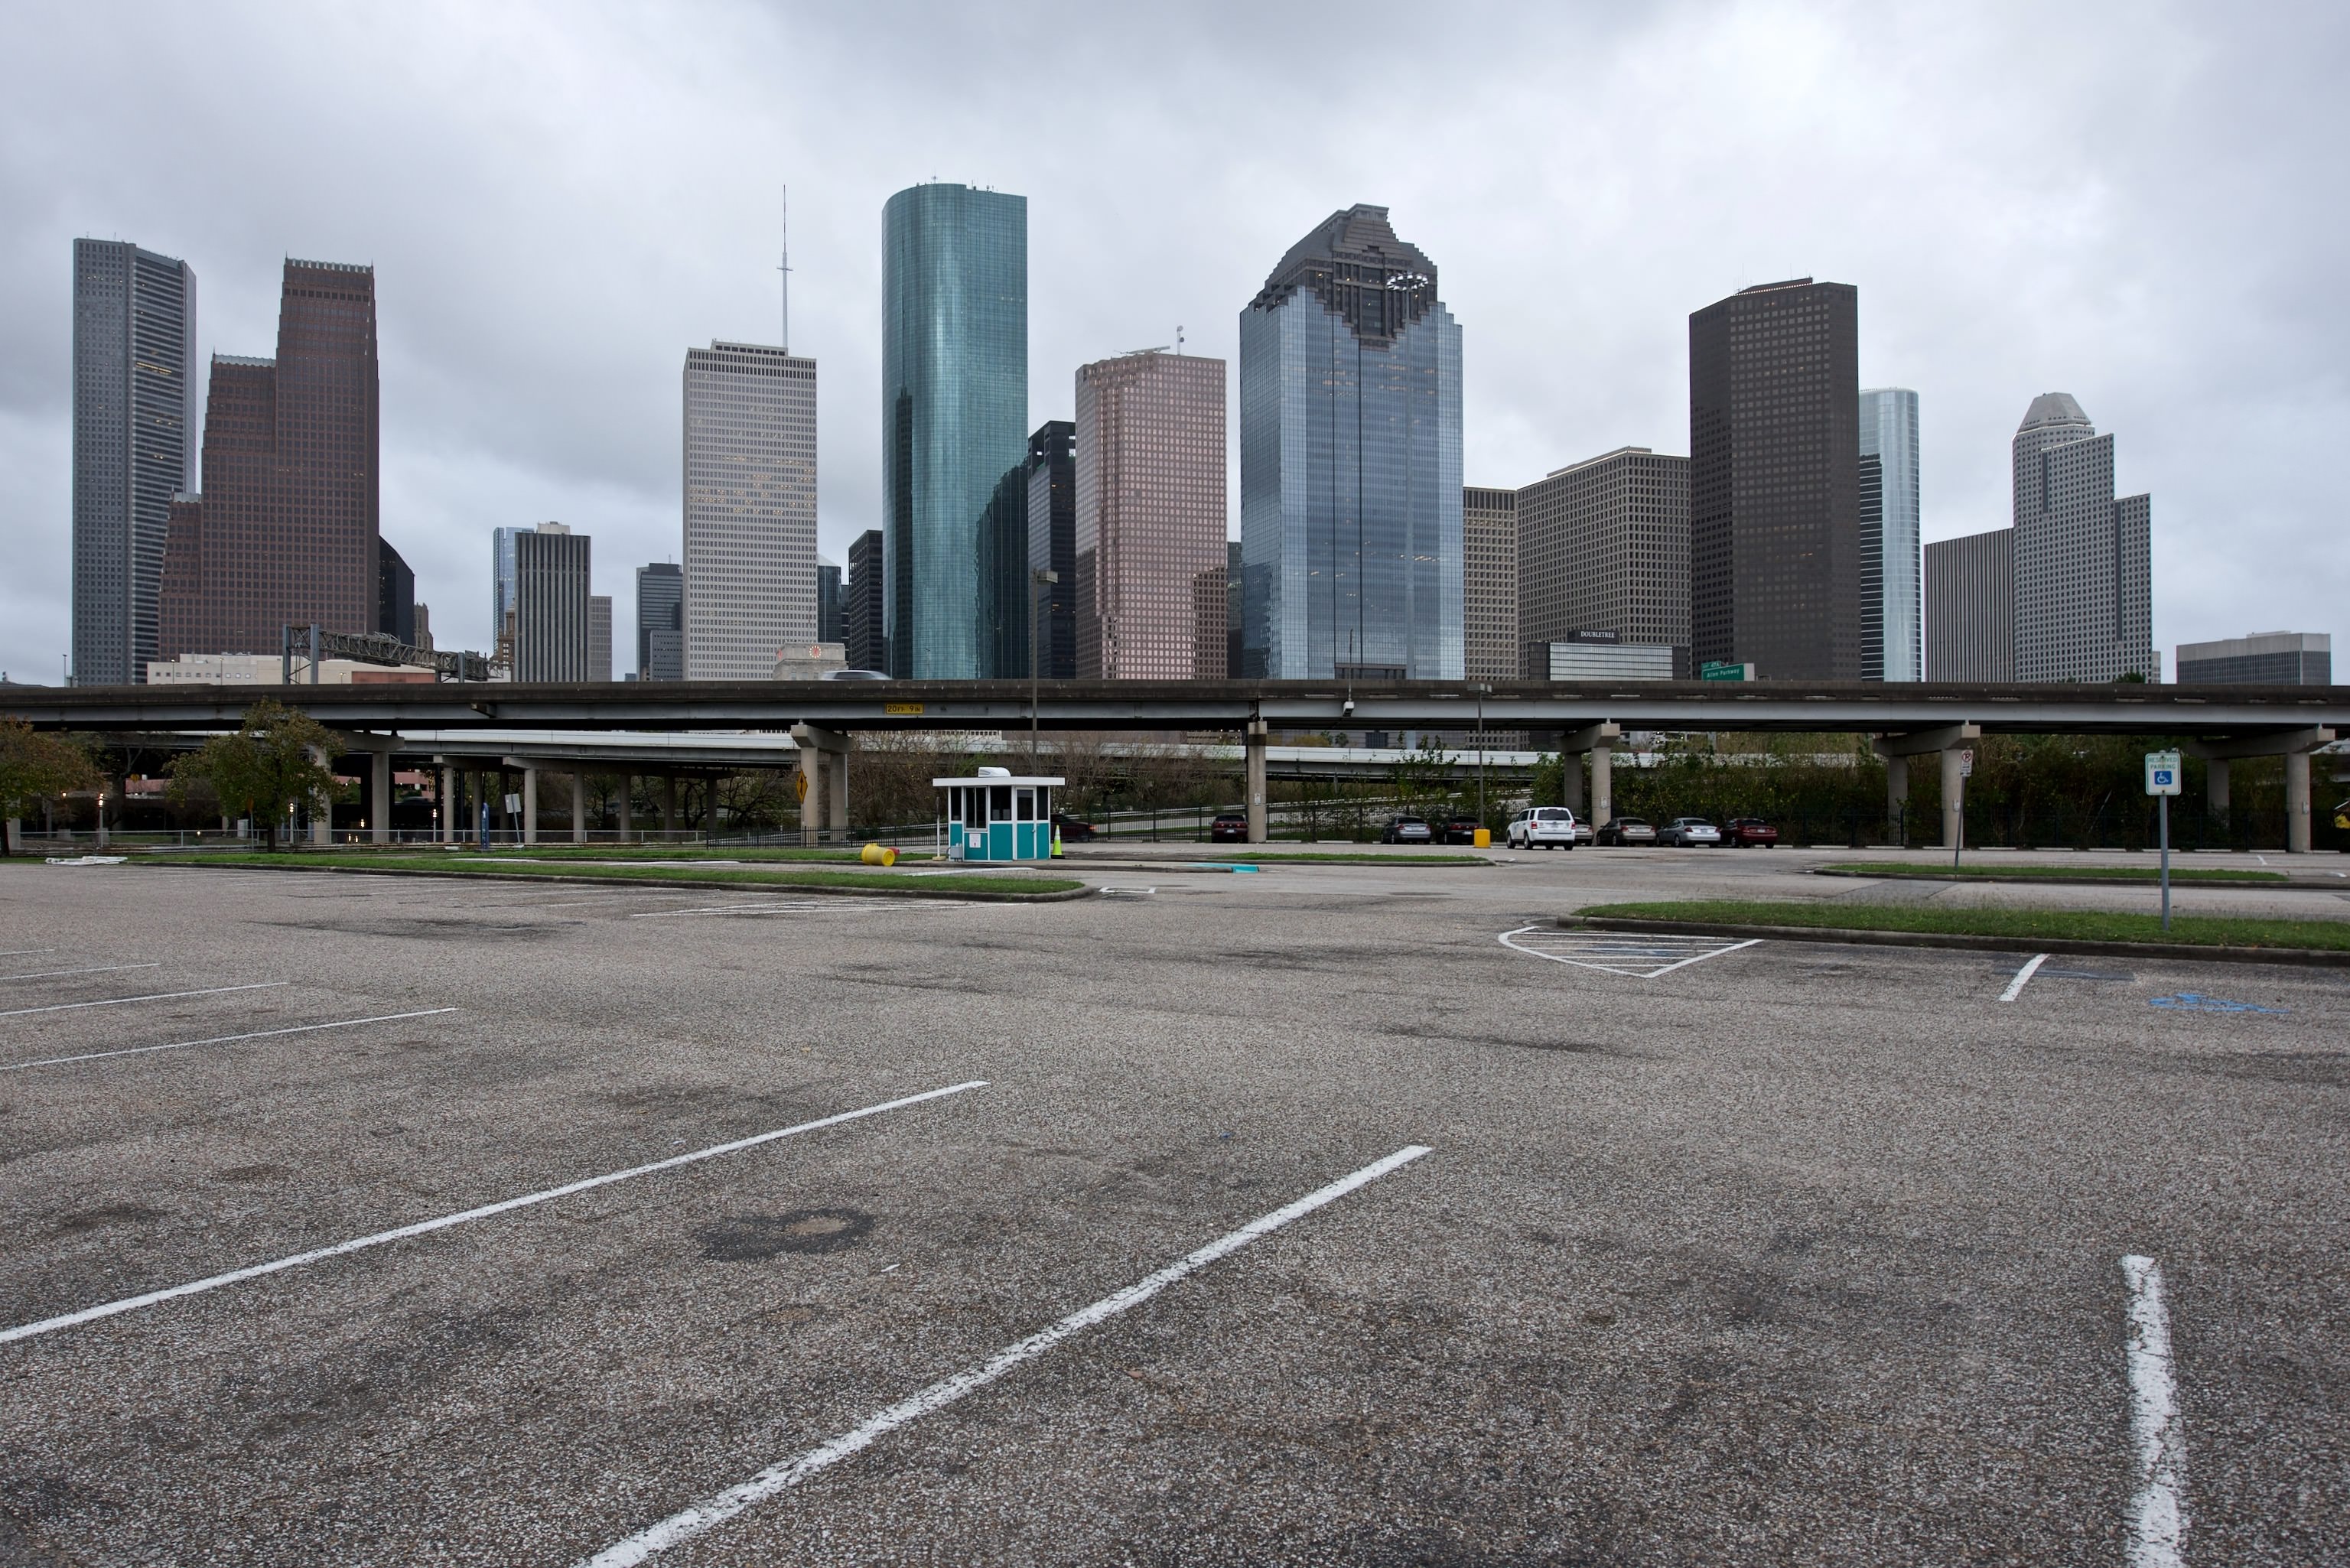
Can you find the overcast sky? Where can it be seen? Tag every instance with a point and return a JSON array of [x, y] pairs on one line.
[[2139, 204]]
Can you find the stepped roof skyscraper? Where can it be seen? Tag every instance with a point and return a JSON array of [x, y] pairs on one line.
[[1350, 461], [2083, 579]]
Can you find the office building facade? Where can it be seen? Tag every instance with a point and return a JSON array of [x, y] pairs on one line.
[[1890, 592], [1604, 546], [1350, 461], [286, 528], [134, 447], [1053, 545], [395, 594], [1489, 644], [600, 636], [551, 626], [660, 621], [750, 509], [1971, 607], [2263, 658], [955, 424], [1150, 515], [828, 601], [1774, 477], [862, 620], [2084, 575], [1591, 657]]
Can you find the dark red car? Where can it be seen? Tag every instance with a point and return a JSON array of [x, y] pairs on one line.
[[1230, 827], [1749, 832]]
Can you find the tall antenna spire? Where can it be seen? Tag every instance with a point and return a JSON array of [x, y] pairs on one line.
[[786, 269]]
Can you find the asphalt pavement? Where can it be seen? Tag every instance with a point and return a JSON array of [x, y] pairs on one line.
[[385, 1220]]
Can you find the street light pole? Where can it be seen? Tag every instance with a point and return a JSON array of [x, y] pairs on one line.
[[1481, 689]]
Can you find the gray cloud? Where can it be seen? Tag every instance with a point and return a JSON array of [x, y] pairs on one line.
[[2123, 200]]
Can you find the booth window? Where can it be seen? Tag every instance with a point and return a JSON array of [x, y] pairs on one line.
[[999, 802], [1024, 807]]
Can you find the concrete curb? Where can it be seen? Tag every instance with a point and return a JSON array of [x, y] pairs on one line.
[[2303, 957], [968, 895], [2150, 884]]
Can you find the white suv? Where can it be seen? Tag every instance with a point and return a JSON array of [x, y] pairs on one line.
[[1544, 827]]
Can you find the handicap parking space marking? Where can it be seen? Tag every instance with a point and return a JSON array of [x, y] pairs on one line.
[[2194, 1002], [699, 1518], [92, 969], [1641, 954], [2023, 977], [2157, 1511], [150, 996]]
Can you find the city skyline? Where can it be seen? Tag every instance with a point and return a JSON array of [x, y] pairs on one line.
[[498, 410]]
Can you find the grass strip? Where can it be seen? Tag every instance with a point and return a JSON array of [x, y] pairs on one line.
[[892, 883], [1340, 857], [2148, 875], [2065, 925]]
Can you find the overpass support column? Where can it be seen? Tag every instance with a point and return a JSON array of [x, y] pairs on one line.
[[322, 810], [2215, 792], [529, 804], [823, 763], [2293, 746], [379, 797], [1599, 741], [2297, 803], [1252, 746], [579, 807], [1947, 739], [669, 804], [450, 828], [1897, 800]]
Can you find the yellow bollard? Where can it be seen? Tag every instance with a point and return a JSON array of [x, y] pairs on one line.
[[879, 854], [1484, 839]]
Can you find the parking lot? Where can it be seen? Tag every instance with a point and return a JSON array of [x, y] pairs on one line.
[[1345, 1214]]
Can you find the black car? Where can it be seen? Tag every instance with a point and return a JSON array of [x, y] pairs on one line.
[[1071, 830], [1460, 830], [1230, 827], [1408, 830]]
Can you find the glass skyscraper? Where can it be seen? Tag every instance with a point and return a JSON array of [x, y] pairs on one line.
[[1889, 590], [1350, 462], [955, 424]]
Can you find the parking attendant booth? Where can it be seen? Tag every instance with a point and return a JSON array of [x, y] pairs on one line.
[[996, 817]]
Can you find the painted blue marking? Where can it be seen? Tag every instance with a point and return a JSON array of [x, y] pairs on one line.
[[2193, 1001]]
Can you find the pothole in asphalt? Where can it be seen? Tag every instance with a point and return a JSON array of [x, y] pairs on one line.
[[749, 1238]]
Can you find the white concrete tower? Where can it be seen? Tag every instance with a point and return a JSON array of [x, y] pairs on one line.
[[750, 509]]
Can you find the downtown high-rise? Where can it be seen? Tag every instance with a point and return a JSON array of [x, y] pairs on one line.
[[1053, 545], [1149, 518], [660, 622], [1775, 473], [286, 529], [750, 509], [955, 427], [1889, 562], [1604, 547], [2083, 588], [134, 447]]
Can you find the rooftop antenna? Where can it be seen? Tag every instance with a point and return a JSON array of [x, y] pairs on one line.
[[786, 269], [1179, 338]]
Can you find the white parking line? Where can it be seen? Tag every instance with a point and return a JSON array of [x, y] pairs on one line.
[[1641, 954], [424, 1227], [2157, 1521], [801, 906], [2023, 977], [25, 953], [94, 969], [152, 996], [690, 1521], [221, 1039]]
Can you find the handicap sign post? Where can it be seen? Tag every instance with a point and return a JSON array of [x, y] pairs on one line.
[[2162, 782]]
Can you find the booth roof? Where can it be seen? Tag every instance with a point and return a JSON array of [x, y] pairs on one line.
[[1000, 779]]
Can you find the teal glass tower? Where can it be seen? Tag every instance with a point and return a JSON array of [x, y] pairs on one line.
[[1350, 462], [954, 422]]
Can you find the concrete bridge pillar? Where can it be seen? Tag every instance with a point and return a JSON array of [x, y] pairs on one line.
[[2297, 803], [1949, 740], [2293, 746], [1252, 742], [1954, 798], [579, 807], [669, 804], [823, 763], [379, 797], [1598, 741], [1603, 784], [453, 827], [1570, 783], [322, 810], [529, 804]]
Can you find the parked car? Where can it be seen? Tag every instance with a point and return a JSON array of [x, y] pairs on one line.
[[1746, 832], [1690, 833], [1071, 830], [1544, 827], [1408, 830], [1230, 827], [1622, 832], [1461, 830]]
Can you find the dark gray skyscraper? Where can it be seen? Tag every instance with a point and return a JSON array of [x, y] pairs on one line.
[[954, 426], [1052, 544], [552, 633], [134, 337], [861, 615], [828, 601], [1350, 461], [660, 621], [1774, 480], [2084, 582]]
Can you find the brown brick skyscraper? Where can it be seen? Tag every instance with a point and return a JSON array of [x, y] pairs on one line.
[[1150, 517], [287, 527]]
